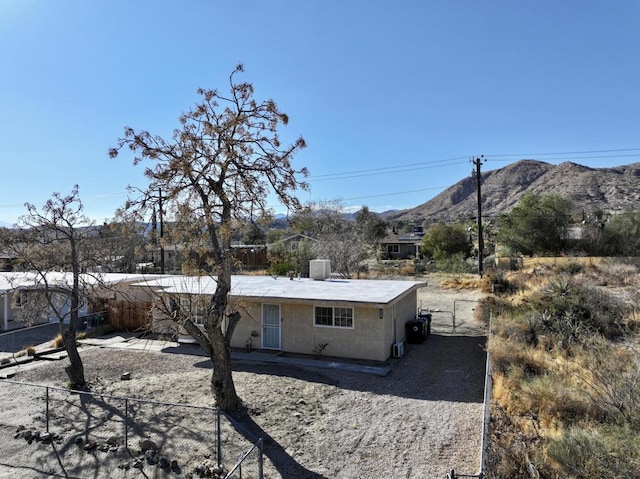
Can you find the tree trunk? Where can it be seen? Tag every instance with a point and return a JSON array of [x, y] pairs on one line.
[[224, 391], [75, 369]]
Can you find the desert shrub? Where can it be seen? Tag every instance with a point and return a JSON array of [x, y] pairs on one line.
[[58, 342], [453, 264], [553, 401], [572, 313], [588, 453], [515, 360], [281, 268], [496, 282], [618, 273], [571, 267]]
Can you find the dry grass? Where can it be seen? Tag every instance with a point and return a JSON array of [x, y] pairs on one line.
[[58, 342], [561, 387]]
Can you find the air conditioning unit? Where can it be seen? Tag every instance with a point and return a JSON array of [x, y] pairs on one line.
[[320, 269], [398, 349]]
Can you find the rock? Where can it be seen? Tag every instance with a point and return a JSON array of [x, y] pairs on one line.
[[163, 462], [125, 376], [90, 446], [113, 441], [150, 456], [125, 466], [28, 435], [46, 437], [148, 444]]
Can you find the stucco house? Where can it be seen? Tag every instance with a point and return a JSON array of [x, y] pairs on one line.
[[361, 319], [402, 246], [291, 244], [22, 302]]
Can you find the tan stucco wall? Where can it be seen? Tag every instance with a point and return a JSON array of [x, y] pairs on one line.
[[371, 337], [406, 309]]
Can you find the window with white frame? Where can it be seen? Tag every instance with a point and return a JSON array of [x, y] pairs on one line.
[[333, 317]]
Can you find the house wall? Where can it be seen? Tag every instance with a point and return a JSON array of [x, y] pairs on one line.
[[406, 309], [405, 251], [370, 338]]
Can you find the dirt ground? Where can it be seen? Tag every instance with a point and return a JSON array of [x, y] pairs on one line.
[[421, 420]]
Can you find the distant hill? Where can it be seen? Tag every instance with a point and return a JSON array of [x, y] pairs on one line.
[[609, 189]]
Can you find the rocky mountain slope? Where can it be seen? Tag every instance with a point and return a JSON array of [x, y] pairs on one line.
[[609, 189]]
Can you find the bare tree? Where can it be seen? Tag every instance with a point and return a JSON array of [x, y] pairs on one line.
[[51, 246], [217, 172]]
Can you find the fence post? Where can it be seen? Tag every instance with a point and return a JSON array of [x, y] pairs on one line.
[[47, 406], [260, 464], [218, 435], [126, 423]]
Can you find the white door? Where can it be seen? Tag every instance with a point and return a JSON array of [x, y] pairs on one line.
[[271, 326]]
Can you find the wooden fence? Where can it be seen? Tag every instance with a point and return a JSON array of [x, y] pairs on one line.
[[129, 316]]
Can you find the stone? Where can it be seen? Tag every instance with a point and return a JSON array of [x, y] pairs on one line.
[[148, 444], [113, 441], [125, 376], [150, 456]]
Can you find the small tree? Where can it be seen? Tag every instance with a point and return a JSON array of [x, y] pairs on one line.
[[537, 224], [443, 241], [51, 239], [217, 172]]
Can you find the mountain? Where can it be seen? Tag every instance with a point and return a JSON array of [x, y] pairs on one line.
[[609, 189]]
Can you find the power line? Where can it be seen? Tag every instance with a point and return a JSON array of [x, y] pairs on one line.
[[395, 194], [569, 152], [571, 158], [368, 171]]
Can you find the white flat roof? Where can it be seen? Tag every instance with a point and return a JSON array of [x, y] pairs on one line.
[[267, 287], [10, 281], [280, 288]]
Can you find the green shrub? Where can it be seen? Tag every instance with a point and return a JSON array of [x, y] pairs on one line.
[[591, 453]]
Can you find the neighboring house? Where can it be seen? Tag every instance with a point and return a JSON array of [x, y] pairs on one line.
[[403, 246], [361, 319], [291, 244], [22, 303]]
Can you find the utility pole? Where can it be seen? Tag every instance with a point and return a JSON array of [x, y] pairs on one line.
[[477, 162]]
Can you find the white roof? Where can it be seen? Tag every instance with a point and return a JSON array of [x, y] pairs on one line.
[[10, 281], [279, 288], [267, 287]]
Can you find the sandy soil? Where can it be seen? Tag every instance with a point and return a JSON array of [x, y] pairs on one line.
[[420, 421]]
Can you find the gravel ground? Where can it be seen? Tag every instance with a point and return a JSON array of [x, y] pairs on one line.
[[420, 421]]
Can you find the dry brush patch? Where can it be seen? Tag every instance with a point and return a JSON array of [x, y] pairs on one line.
[[566, 378]]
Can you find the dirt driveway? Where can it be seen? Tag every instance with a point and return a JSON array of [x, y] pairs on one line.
[[420, 421]]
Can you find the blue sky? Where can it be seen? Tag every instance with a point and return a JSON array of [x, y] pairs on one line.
[[392, 97]]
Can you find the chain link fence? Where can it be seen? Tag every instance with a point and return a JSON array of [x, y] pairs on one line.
[[57, 432]]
